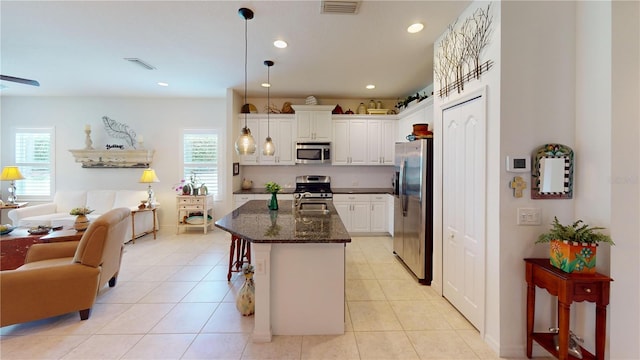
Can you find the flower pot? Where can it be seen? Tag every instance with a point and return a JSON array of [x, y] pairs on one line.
[[81, 223], [572, 257]]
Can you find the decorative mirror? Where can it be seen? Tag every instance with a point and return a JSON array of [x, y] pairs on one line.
[[552, 172]]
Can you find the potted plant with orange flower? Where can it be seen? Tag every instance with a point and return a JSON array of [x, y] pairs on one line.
[[573, 247]]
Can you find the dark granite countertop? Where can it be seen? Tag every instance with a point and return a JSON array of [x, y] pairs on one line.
[[335, 191], [255, 222], [362, 190], [261, 190]]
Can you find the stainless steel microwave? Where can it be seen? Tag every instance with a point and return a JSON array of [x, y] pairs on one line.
[[313, 153]]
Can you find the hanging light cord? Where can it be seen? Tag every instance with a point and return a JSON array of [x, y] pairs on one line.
[[268, 100], [245, 72]]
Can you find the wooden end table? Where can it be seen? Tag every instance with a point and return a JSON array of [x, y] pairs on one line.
[[568, 288], [133, 223], [14, 246]]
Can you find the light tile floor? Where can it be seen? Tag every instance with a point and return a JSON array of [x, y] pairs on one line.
[[172, 301]]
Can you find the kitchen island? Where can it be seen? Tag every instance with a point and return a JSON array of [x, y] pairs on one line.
[[299, 260]]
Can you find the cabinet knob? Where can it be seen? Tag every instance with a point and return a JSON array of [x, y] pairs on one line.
[[587, 290]]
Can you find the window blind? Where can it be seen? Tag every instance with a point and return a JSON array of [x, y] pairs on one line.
[[200, 158], [33, 155]]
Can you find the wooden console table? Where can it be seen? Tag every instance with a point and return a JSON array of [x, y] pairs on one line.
[[133, 222], [568, 288]]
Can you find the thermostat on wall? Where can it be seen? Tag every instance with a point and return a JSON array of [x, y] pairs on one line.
[[518, 163]]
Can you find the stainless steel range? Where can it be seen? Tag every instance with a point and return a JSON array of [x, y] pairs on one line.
[[313, 187]]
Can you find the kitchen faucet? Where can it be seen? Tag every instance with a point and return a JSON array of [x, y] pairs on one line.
[[297, 199]]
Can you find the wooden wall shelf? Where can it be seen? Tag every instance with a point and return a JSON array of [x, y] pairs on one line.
[[114, 158]]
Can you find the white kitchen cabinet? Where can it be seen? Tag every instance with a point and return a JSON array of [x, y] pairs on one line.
[[281, 128], [282, 134], [381, 136], [379, 213], [354, 211], [313, 122], [349, 142]]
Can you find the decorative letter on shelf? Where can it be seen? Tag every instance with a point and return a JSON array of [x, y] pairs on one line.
[[114, 158]]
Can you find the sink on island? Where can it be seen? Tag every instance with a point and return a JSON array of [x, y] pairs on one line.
[[299, 261]]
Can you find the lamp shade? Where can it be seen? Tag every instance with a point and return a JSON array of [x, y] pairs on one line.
[[11, 173], [149, 176]]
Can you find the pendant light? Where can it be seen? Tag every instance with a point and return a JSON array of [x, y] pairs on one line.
[[245, 144], [269, 148]]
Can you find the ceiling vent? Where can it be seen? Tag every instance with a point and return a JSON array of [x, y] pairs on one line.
[[140, 63], [340, 7]]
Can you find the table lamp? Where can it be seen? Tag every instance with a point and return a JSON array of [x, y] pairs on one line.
[[148, 177], [11, 173]]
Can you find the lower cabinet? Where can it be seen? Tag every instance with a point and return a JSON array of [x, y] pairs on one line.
[[362, 213]]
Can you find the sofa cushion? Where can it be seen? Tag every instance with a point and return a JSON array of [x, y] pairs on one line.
[[100, 201], [67, 200]]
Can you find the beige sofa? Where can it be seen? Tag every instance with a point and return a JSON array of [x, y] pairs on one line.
[[56, 213], [63, 277]]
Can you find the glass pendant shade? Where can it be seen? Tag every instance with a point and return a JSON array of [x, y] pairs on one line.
[[245, 144], [269, 148]]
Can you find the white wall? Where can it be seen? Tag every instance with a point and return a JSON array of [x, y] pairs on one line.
[[624, 182], [159, 120], [537, 107], [593, 139], [490, 80]]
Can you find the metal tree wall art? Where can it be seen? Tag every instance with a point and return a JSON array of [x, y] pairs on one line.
[[119, 131], [458, 55]]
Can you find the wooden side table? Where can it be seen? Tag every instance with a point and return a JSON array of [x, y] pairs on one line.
[[194, 204], [133, 223], [568, 288]]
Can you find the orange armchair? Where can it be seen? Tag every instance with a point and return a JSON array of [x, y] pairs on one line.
[[59, 278]]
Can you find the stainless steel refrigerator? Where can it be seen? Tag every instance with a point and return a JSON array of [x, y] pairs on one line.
[[413, 207]]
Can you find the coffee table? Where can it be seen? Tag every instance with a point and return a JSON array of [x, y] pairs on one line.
[[14, 246]]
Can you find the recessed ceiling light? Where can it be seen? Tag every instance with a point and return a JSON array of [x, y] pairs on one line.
[[265, 85], [414, 28], [163, 84], [370, 87], [280, 44]]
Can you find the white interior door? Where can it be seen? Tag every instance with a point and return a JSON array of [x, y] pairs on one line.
[[463, 182]]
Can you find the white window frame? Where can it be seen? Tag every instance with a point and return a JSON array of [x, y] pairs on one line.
[[23, 165], [216, 192]]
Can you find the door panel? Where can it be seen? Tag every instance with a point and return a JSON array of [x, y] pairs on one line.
[[464, 202]]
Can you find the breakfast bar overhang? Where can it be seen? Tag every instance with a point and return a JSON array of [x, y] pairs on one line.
[[299, 260]]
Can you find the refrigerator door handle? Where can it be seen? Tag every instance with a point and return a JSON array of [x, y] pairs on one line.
[[403, 187]]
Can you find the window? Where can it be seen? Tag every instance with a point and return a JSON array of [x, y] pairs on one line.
[[34, 149], [200, 157]]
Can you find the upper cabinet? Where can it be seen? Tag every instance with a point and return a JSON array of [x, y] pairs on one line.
[[421, 113], [281, 128], [314, 122], [350, 142], [381, 140], [282, 132], [363, 139]]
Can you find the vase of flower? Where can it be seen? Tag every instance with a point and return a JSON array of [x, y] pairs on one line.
[[273, 203], [273, 189], [81, 223]]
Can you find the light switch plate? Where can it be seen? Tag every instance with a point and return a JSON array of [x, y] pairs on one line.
[[529, 216]]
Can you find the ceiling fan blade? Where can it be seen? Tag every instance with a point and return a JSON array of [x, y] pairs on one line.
[[19, 80]]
